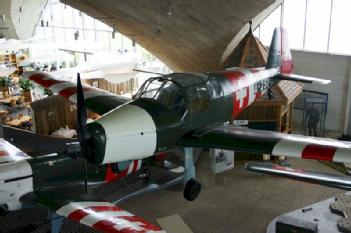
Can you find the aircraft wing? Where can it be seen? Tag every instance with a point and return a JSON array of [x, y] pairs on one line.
[[90, 211], [106, 217], [267, 142], [96, 100], [10, 153]]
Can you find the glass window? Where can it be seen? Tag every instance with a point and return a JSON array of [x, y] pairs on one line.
[[127, 45], [69, 34], [103, 38], [340, 35], [59, 35], [116, 43], [267, 27], [214, 87], [317, 25], [167, 93], [164, 92], [68, 16], [149, 89], [89, 35], [294, 22], [199, 98], [88, 22], [77, 19], [256, 32], [102, 26], [198, 92], [56, 12]]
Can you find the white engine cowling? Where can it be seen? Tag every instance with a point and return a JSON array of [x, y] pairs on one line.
[[15, 181]]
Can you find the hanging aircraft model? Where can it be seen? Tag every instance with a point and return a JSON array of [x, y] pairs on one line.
[[174, 110]]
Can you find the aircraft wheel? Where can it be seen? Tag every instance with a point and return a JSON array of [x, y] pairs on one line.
[[144, 174], [192, 190]]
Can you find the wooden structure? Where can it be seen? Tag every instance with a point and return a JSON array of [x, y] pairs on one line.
[[52, 113], [249, 53], [265, 113], [188, 36], [12, 60], [276, 113], [119, 89]]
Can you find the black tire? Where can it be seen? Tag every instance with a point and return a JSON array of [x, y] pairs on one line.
[[192, 190], [145, 174]]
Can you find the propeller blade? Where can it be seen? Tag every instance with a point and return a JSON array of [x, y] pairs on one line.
[[83, 132]]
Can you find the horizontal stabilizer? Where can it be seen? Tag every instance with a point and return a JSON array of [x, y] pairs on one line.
[[301, 78], [327, 179]]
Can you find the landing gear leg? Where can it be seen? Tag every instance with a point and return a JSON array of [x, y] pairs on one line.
[[270, 94], [192, 187], [56, 223]]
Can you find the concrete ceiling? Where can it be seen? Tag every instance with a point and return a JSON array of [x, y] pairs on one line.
[[18, 18], [187, 35]]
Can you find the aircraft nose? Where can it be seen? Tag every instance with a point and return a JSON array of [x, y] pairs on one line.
[[130, 133], [16, 180]]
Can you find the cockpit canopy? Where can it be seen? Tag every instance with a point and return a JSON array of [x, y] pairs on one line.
[[165, 92], [178, 92]]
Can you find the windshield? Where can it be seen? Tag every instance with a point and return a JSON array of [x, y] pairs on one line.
[[165, 92]]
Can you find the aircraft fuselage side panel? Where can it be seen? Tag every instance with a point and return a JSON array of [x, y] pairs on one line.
[[168, 107]]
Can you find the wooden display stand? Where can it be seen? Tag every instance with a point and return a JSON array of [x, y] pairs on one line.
[[119, 89], [53, 112], [276, 113], [27, 96], [11, 60]]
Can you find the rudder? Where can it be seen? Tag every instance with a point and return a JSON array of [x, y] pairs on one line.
[[279, 52]]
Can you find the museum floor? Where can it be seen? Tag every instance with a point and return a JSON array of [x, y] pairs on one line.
[[236, 201]]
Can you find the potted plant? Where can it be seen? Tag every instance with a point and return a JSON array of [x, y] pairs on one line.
[[26, 86], [5, 83], [48, 92]]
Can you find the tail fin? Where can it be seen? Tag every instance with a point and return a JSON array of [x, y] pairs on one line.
[[279, 56], [279, 53]]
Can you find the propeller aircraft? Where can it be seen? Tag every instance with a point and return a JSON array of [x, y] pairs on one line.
[[175, 110]]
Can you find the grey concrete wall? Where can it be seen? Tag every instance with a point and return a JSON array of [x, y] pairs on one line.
[[334, 67], [25, 21], [20, 25]]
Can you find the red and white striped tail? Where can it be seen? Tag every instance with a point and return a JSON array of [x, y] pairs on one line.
[[107, 217], [279, 52]]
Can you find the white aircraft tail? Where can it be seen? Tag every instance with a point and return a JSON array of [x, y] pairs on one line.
[[279, 56]]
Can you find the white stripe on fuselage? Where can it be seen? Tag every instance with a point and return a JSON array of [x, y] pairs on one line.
[[251, 76]]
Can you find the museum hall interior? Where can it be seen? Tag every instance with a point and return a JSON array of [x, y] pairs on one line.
[[154, 116]]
